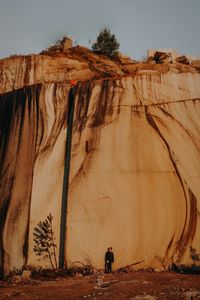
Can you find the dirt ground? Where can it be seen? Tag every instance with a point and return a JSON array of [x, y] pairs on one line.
[[132, 285]]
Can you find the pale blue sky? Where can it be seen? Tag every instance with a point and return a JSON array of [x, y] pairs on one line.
[[29, 26]]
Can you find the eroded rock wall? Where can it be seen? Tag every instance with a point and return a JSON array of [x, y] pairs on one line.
[[134, 176], [32, 119], [135, 171], [20, 71]]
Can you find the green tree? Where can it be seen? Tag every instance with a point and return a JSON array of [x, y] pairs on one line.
[[44, 241], [106, 43]]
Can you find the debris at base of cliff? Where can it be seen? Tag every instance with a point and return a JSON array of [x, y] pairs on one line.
[[75, 270], [131, 268], [18, 277], [181, 268], [40, 274], [133, 285], [192, 295], [23, 278]]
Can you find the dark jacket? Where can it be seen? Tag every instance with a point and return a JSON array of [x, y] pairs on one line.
[[109, 256]]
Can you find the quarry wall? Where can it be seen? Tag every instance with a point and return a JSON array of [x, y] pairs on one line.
[[134, 169]]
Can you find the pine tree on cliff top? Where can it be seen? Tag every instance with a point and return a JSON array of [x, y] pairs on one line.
[[106, 43]]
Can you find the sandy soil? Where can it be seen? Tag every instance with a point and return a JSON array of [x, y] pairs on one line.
[[132, 285]]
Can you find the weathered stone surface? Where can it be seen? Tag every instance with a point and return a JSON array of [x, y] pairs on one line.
[[132, 138], [135, 168], [77, 63]]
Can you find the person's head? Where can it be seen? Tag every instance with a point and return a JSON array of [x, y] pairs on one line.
[[110, 249]]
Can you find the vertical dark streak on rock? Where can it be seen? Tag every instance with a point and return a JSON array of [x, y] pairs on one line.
[[33, 102], [81, 116], [5, 120], [65, 189], [169, 247], [101, 108], [193, 216], [29, 99], [8, 109], [54, 96], [153, 124], [188, 234], [185, 238], [194, 101], [120, 98], [7, 112], [84, 91], [41, 126], [137, 93], [45, 145], [186, 131], [112, 97], [37, 100], [22, 108], [18, 119]]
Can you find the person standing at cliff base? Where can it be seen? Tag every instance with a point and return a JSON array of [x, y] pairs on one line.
[[109, 260]]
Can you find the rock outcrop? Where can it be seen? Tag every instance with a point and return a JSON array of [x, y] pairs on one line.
[[134, 164]]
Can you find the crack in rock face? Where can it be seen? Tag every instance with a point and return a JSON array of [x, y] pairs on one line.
[[134, 170]]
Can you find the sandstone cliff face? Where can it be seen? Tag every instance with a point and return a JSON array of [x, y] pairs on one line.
[[76, 63], [134, 169]]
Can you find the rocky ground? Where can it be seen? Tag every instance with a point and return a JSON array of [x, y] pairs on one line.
[[131, 285]]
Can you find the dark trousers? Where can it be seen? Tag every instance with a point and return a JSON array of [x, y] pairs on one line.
[[108, 267]]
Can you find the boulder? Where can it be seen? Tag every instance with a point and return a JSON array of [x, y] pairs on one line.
[[161, 57], [26, 275], [16, 279], [183, 60]]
